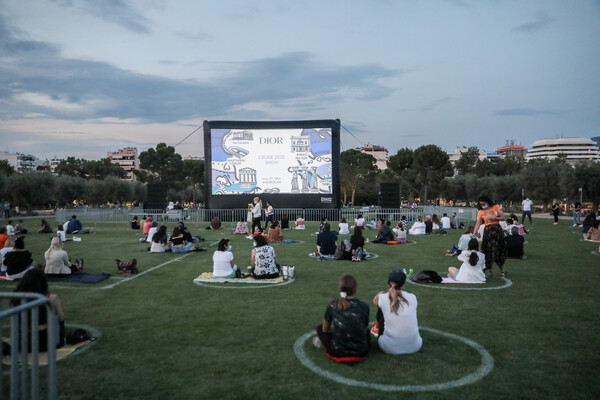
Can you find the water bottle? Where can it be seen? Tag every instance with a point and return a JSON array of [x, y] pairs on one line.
[[404, 270], [410, 273]]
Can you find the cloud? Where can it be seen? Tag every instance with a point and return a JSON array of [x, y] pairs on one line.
[[524, 112], [428, 107], [542, 20], [119, 12], [36, 79]]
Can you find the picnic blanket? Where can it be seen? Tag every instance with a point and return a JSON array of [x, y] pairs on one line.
[[208, 277], [83, 277], [61, 353]]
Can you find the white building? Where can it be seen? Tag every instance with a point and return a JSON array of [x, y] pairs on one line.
[[454, 156], [573, 149], [380, 153], [127, 159], [19, 161]]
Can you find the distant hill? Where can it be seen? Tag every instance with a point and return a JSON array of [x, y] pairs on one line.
[[596, 139]]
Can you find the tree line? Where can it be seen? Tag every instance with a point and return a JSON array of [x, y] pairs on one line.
[[424, 173]]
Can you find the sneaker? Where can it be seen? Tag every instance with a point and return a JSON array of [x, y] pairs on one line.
[[317, 343], [321, 258], [374, 329]]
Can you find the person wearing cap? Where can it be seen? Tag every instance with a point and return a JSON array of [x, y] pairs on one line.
[[344, 331], [396, 325]]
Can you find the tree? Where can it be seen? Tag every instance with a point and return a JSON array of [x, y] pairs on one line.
[[357, 170], [540, 179], [431, 165], [31, 189], [89, 169], [587, 177], [164, 166], [467, 161], [5, 168]]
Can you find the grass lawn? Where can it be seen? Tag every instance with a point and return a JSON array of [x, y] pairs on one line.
[[163, 337]]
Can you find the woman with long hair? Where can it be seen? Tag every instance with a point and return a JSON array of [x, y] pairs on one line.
[[493, 244], [357, 244], [344, 331], [397, 327], [473, 263], [160, 242], [264, 264], [178, 242], [223, 265], [57, 260]]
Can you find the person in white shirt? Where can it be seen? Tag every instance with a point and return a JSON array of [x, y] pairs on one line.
[[270, 215], [445, 221], [223, 265], [343, 227], [526, 207], [359, 221], [10, 229], [418, 227], [256, 215]]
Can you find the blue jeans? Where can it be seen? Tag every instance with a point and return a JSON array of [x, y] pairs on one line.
[[577, 217], [183, 249]]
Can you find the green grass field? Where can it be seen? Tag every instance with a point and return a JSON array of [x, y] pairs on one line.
[[163, 337]]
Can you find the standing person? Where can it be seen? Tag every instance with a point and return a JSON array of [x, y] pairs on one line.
[[555, 210], [344, 330], [397, 327], [526, 207], [223, 264], [6, 210], [270, 215], [256, 215], [577, 214], [493, 245]]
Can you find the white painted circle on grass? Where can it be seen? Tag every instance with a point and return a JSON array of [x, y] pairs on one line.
[[243, 285], [487, 364], [507, 283]]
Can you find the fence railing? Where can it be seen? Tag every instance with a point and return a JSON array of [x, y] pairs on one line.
[[24, 319], [122, 215]]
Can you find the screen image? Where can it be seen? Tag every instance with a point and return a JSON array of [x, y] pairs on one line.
[[272, 159]]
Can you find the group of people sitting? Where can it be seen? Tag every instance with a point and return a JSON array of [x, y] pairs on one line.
[[344, 331], [262, 257], [181, 239]]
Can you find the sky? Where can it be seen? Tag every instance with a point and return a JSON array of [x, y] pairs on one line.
[[81, 78]]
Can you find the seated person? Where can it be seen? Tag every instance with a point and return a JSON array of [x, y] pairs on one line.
[[35, 281], [74, 225], [274, 234], [473, 263], [60, 232], [187, 234], [463, 242], [400, 232], [456, 224], [10, 229], [359, 221], [371, 225], [344, 330], [20, 229], [8, 246], [428, 225], [46, 228], [300, 222], [241, 228], [322, 224], [160, 242], [593, 234], [215, 224], [418, 227], [264, 265], [326, 241], [514, 244], [178, 242], [18, 261], [3, 236], [151, 233], [343, 227], [285, 222], [397, 326], [147, 226], [435, 222], [223, 265], [135, 223], [57, 260], [385, 234], [357, 244], [510, 223], [446, 223], [404, 222]]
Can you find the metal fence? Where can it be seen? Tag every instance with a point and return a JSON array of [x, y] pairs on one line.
[[123, 215], [24, 319]]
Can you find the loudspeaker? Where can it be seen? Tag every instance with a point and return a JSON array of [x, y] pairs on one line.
[[389, 195], [156, 196]]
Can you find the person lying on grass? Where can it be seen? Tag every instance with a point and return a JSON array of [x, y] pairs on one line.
[[344, 331], [473, 263], [397, 327]]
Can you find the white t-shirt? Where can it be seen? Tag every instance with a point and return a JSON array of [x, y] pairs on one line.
[[468, 273], [418, 228], [151, 233], [445, 222], [359, 221], [344, 228], [222, 263], [270, 210], [256, 210], [401, 331], [527, 205]]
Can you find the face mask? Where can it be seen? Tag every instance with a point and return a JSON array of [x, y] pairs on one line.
[[229, 248], [484, 206], [254, 244]]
